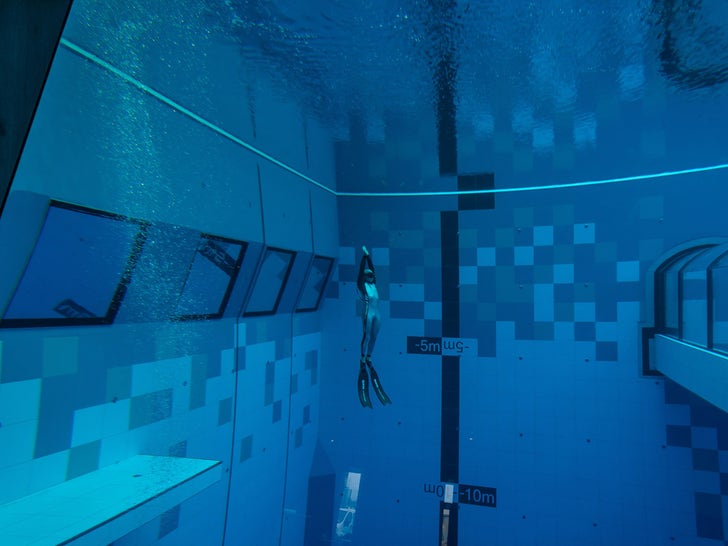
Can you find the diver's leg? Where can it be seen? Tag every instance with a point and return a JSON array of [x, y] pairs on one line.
[[376, 324], [366, 323]]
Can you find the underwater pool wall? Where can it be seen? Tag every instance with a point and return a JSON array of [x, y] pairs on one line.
[[241, 390], [559, 437]]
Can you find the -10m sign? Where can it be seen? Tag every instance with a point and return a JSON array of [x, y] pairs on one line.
[[477, 494]]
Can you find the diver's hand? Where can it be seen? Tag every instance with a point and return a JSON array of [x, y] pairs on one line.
[[365, 251]]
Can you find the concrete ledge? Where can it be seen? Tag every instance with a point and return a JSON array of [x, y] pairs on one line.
[[699, 370], [102, 506]]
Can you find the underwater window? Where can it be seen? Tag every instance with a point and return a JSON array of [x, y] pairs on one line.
[[271, 280], [720, 305], [79, 269], [210, 278], [313, 289]]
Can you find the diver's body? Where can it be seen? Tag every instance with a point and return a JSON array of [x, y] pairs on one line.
[[371, 323], [371, 319]]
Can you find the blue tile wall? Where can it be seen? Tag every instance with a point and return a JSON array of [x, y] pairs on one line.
[[551, 285]]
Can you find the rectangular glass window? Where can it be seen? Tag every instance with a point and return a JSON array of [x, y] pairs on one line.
[[316, 281], [79, 269], [720, 308], [211, 278], [347, 506], [270, 282]]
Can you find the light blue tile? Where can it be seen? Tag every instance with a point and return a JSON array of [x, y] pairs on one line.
[[543, 235], [486, 256], [543, 302], [18, 442], [19, 401], [433, 310], [523, 255], [584, 234], [606, 331], [563, 273], [564, 331], [88, 424], [628, 271], [380, 256], [468, 274], [584, 311]]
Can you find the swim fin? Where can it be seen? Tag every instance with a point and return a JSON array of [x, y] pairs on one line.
[[378, 389], [363, 386]]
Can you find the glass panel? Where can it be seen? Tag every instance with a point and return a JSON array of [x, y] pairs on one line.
[[211, 278], [695, 307], [313, 290], [670, 295], [78, 269], [270, 282], [347, 507], [720, 306]]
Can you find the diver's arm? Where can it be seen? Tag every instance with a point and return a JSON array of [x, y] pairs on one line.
[[360, 277]]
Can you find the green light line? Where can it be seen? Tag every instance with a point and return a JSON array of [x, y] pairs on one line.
[[222, 132]]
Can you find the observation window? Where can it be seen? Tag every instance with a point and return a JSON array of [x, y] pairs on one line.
[[313, 289], [79, 269], [271, 280]]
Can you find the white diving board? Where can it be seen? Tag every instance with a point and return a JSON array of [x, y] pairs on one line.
[[104, 505]]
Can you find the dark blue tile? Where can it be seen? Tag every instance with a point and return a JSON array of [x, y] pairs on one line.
[[678, 436], [723, 484], [246, 448], [22, 359], [270, 370], [706, 459], [150, 408], [564, 293], [306, 414], [606, 308], [543, 331], [524, 274], [709, 515], [241, 359], [407, 309], [224, 411], [504, 256], [298, 438], [294, 383], [168, 521], [564, 254], [83, 459], [277, 410], [178, 450], [55, 420], [606, 351], [677, 394], [584, 331], [563, 235]]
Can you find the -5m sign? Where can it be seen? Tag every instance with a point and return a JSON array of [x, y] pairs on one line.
[[448, 346]]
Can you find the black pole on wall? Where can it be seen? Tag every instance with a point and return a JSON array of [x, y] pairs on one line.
[[29, 34]]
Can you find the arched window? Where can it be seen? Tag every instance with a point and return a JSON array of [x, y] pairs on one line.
[[686, 336]]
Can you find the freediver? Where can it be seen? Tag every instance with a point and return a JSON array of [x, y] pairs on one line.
[[366, 284]]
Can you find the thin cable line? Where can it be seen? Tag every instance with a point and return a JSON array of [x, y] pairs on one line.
[[222, 132], [536, 188], [166, 100]]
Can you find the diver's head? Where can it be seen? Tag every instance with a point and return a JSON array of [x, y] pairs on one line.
[[368, 275]]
